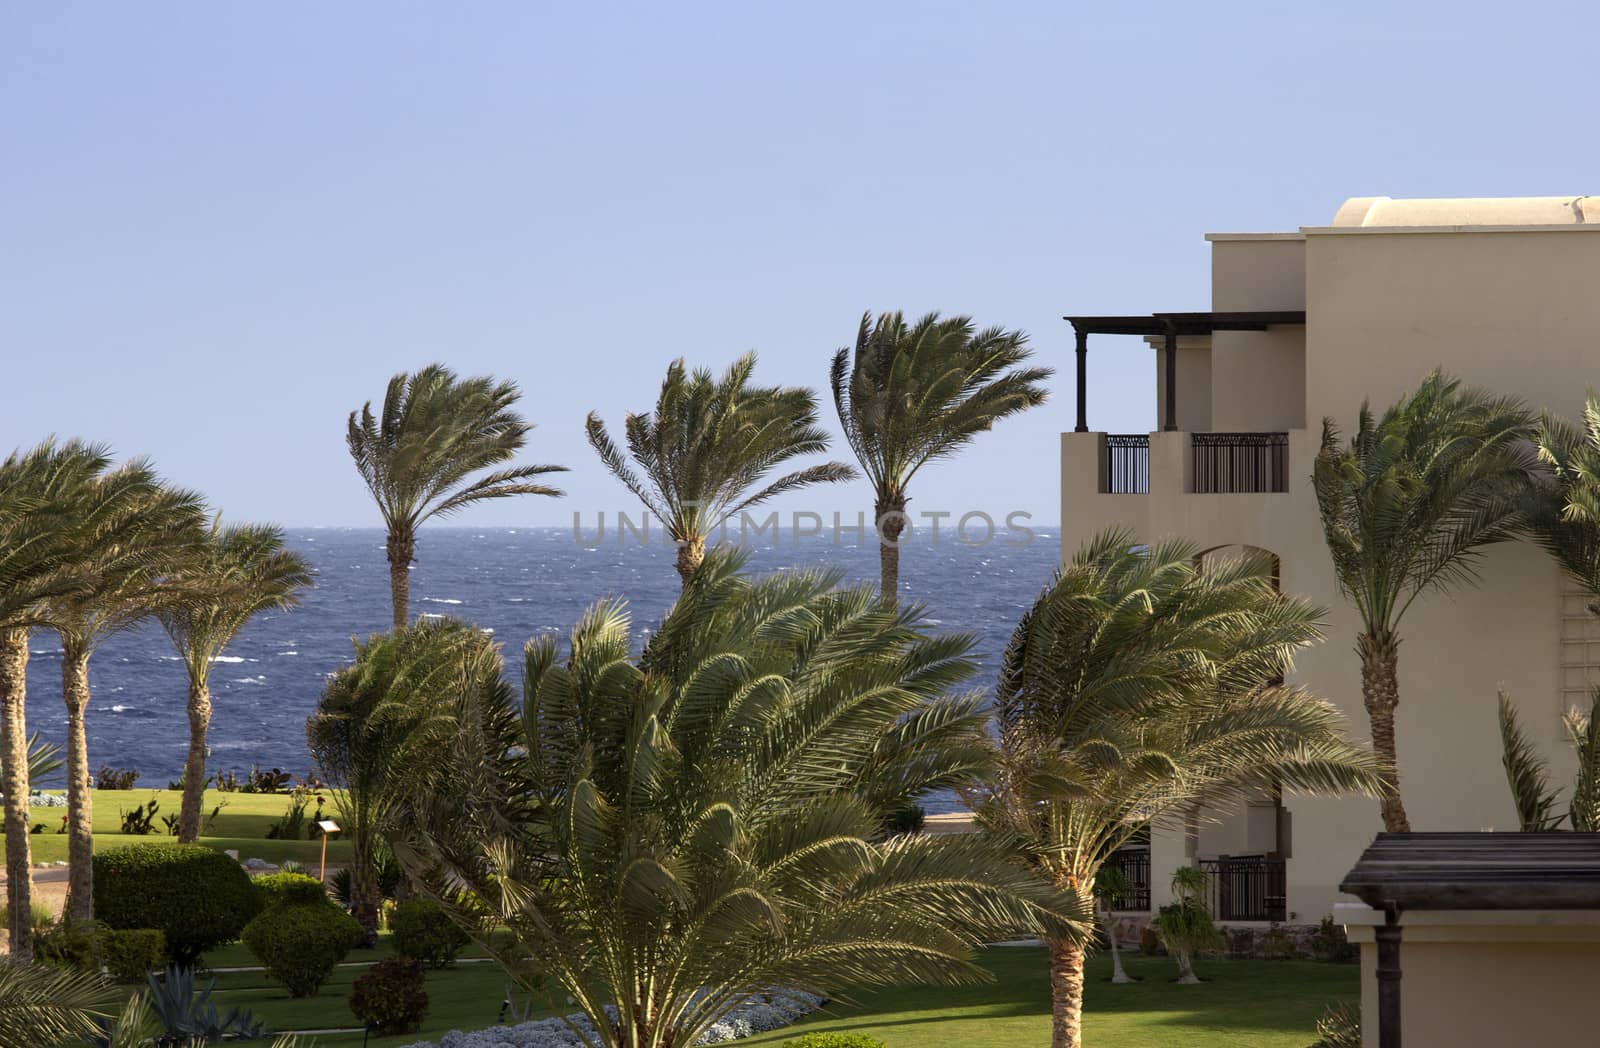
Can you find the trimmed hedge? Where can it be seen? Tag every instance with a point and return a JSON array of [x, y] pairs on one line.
[[286, 889], [197, 897], [300, 944], [390, 998], [833, 1040], [421, 931], [132, 955]]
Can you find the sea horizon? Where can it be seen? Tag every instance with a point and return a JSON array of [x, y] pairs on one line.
[[515, 582]]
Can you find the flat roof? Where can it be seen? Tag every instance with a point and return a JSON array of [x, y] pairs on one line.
[[1184, 323], [1479, 871]]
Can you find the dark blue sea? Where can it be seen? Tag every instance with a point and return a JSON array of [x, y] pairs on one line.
[[518, 582]]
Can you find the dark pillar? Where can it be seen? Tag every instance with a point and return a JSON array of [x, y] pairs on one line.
[[1172, 382], [1388, 937], [1083, 383]]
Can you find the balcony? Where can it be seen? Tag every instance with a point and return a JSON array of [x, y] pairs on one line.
[[1245, 888], [1134, 865], [1125, 468], [1239, 463]]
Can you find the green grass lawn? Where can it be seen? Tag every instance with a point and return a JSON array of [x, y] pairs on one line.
[[1243, 1004], [242, 825]]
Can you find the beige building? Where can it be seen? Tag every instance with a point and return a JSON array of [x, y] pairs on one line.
[[1504, 293]]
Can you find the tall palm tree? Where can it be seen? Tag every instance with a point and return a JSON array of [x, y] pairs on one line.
[[1135, 690], [708, 443], [41, 555], [919, 392], [435, 432], [127, 572], [364, 730], [1408, 506], [674, 835], [241, 571]]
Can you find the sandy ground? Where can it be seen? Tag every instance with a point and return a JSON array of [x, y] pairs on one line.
[[49, 888]]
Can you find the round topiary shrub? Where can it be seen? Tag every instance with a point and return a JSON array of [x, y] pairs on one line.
[[197, 897], [300, 944], [422, 931], [284, 889], [833, 1040], [389, 998]]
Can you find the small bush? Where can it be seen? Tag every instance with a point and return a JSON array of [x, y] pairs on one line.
[[833, 1040], [390, 998], [289, 889], [109, 778], [1329, 943], [300, 945], [197, 897], [422, 931], [1339, 1027], [140, 821], [909, 818], [79, 945], [130, 956]]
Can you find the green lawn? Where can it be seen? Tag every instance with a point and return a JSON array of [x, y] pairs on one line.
[[1243, 1004], [242, 825]]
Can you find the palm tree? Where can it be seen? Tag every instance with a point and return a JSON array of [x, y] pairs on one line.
[[240, 571], [1184, 926], [707, 444], [436, 431], [675, 835], [1566, 513], [1132, 692], [45, 1005], [1407, 508], [41, 554], [127, 578], [919, 392], [363, 728], [1528, 774]]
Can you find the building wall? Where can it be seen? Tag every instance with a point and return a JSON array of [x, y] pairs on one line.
[[1513, 311]]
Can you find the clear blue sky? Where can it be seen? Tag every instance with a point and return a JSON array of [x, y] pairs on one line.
[[223, 226]]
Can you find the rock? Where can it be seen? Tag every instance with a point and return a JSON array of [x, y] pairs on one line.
[[232, 853], [254, 863]]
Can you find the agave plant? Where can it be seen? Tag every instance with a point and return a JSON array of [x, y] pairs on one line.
[[183, 1011], [664, 838]]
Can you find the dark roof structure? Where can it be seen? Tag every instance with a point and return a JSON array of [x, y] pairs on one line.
[[1478, 871]]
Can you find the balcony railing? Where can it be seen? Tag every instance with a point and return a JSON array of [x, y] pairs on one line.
[[1240, 463], [1125, 470], [1245, 888], [1134, 865]]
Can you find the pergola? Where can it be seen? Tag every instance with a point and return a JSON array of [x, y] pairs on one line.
[[1169, 326]]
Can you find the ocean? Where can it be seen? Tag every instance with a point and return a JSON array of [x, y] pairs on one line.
[[517, 582]]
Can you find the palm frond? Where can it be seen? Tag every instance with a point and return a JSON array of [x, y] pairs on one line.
[[1526, 773]]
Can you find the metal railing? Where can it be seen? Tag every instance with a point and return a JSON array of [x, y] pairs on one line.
[[1134, 865], [1240, 463], [1125, 468], [1245, 888]]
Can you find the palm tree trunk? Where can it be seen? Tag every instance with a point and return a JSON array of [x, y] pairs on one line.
[[691, 554], [402, 550], [1186, 975], [194, 768], [1380, 689], [1066, 994], [80, 803], [14, 746], [364, 891], [889, 515]]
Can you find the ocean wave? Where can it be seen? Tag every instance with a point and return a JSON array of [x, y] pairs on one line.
[[440, 600], [226, 658], [250, 680], [288, 653]]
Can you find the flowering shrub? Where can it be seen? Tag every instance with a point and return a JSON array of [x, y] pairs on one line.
[[390, 998]]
